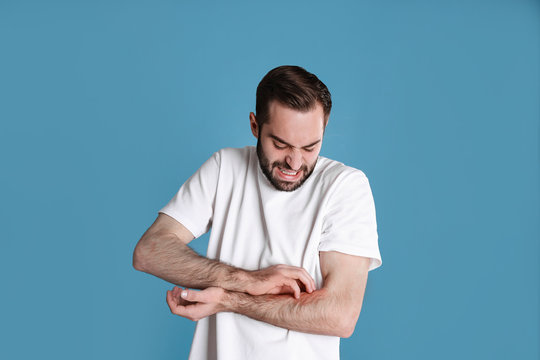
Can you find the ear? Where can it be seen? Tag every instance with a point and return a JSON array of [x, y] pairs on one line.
[[253, 124]]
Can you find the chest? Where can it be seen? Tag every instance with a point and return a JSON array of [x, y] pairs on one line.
[[255, 227]]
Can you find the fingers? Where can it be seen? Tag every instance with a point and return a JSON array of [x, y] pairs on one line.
[[179, 306], [283, 277], [300, 274], [171, 301], [308, 282], [194, 305], [186, 296], [291, 283], [175, 296], [176, 292]]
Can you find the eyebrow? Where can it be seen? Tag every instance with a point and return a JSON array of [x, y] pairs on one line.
[[286, 143]]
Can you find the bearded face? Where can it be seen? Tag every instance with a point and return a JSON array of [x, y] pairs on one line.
[[280, 174], [288, 144]]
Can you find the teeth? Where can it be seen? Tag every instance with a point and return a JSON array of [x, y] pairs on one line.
[[288, 172]]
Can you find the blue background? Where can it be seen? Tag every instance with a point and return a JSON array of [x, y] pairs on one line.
[[107, 107]]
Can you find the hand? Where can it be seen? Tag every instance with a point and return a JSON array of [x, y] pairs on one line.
[[280, 279], [195, 305]]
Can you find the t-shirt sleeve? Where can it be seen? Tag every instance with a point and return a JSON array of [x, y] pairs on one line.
[[350, 224], [193, 204]]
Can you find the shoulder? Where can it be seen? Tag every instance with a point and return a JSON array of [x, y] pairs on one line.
[[234, 154], [336, 174], [234, 157], [227, 160]]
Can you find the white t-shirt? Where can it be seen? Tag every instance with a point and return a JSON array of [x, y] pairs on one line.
[[255, 226]]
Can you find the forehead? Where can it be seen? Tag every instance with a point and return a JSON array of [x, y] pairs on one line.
[[296, 127]]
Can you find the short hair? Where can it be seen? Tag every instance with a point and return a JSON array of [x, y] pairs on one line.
[[293, 87]]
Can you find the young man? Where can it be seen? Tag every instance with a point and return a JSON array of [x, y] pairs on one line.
[[293, 236]]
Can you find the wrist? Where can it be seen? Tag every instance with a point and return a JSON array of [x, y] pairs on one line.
[[228, 301], [242, 281]]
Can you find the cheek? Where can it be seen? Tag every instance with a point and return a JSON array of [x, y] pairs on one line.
[[270, 152], [311, 158]]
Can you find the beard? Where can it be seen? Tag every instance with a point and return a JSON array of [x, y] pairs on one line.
[[279, 184]]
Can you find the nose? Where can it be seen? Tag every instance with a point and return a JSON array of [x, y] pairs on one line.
[[294, 159]]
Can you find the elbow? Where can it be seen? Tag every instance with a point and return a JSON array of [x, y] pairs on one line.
[[139, 262], [341, 320], [346, 331], [347, 323]]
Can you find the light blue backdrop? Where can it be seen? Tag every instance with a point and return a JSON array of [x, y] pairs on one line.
[[108, 106]]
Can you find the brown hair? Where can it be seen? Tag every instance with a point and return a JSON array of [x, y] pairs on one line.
[[293, 87]]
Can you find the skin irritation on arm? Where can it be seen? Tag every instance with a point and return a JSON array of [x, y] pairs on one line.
[[332, 310]]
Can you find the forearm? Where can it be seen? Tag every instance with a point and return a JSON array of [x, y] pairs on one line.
[[170, 259], [321, 312], [332, 310]]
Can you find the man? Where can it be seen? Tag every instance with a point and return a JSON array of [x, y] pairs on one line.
[[293, 236]]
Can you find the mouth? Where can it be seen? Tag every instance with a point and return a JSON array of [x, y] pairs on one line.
[[288, 175]]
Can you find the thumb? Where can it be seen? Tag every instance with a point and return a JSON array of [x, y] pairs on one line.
[[190, 295]]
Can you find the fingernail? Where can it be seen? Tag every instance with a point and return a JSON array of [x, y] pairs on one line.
[[183, 294]]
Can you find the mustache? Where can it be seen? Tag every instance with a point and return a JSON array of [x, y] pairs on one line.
[[287, 167]]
